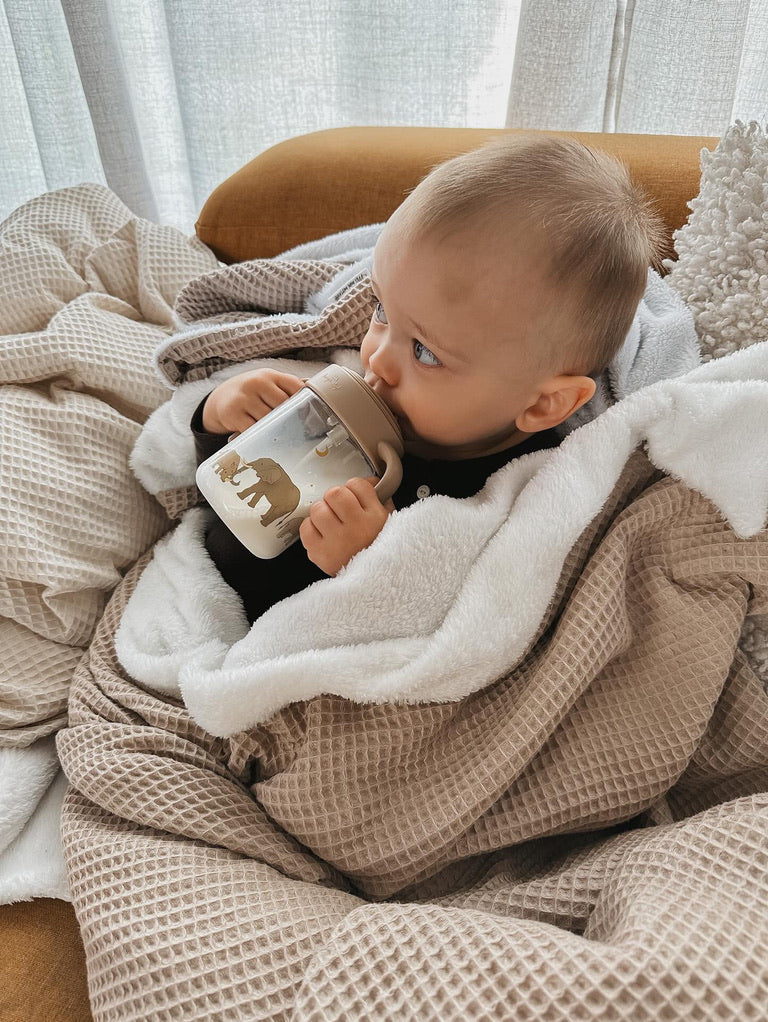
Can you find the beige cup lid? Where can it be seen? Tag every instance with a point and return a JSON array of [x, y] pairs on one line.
[[364, 415]]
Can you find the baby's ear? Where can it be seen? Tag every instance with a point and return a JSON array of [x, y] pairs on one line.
[[560, 398], [583, 388]]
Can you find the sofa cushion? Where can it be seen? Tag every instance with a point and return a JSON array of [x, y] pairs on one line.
[[43, 963], [326, 181]]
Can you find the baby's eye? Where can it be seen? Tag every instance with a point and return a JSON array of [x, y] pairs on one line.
[[418, 346]]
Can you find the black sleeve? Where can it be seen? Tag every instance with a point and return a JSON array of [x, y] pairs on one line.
[[206, 443]]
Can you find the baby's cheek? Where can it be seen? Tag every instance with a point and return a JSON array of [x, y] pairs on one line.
[[428, 423]]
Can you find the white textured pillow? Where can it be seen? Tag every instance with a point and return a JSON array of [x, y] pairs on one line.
[[721, 271]]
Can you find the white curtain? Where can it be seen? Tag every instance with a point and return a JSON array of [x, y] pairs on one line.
[[161, 100], [672, 67]]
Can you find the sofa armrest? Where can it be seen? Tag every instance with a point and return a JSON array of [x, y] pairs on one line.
[[43, 963], [326, 181]]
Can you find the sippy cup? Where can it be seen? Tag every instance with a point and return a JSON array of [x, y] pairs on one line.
[[264, 481]]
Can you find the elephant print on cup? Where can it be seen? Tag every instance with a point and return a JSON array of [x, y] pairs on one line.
[[276, 485], [228, 466], [333, 429]]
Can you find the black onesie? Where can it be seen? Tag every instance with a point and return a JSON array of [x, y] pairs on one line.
[[263, 582]]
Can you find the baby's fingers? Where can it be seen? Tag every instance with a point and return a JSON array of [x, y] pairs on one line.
[[262, 394], [364, 490]]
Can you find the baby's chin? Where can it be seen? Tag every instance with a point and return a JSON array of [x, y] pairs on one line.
[[410, 434], [406, 429], [419, 442]]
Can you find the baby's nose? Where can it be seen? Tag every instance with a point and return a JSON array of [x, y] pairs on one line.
[[382, 366]]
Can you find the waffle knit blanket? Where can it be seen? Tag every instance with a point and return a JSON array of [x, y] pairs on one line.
[[511, 762]]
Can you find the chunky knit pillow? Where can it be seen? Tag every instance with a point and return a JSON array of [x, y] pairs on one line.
[[721, 270]]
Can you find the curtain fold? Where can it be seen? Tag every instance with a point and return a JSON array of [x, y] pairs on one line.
[[45, 125], [682, 67]]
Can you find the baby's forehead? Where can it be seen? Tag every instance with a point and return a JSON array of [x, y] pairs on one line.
[[494, 284], [493, 344]]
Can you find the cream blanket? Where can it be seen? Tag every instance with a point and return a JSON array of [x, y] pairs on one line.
[[543, 797], [88, 294]]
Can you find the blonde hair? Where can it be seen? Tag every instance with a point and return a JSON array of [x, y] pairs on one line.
[[598, 229]]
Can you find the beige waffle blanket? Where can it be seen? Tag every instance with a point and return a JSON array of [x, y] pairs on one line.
[[582, 837], [88, 293]]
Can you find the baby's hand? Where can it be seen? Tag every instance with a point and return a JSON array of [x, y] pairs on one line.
[[345, 521], [244, 399]]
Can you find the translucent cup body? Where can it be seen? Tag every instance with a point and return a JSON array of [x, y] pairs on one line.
[[264, 481]]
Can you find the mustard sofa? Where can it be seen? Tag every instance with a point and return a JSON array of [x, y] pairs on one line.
[[299, 190]]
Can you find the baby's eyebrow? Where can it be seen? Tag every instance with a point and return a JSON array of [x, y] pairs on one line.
[[425, 335], [422, 332]]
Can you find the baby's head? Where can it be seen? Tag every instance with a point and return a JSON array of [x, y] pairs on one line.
[[505, 281]]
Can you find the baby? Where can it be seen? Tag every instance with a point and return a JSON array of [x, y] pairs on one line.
[[503, 284]]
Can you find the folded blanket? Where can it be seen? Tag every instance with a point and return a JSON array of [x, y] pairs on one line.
[[244, 877], [513, 759], [88, 296]]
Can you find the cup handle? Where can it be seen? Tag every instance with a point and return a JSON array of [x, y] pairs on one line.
[[393, 471]]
